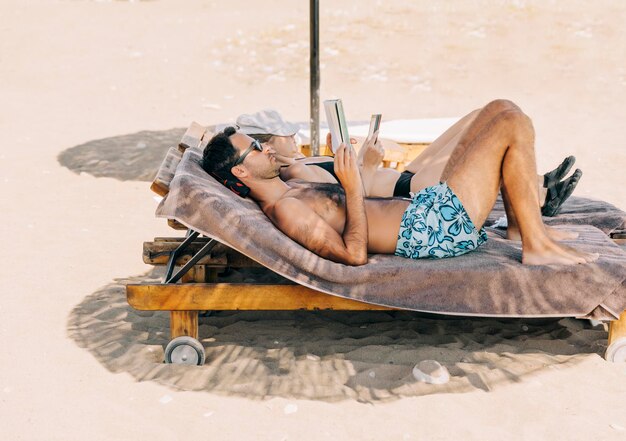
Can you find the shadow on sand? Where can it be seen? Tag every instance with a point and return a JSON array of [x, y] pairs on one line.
[[330, 356], [132, 157]]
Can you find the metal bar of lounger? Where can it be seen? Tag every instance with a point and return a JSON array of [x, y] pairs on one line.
[[191, 236], [314, 61], [186, 267]]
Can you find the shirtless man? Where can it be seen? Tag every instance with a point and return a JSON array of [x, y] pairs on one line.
[[340, 224], [268, 126]]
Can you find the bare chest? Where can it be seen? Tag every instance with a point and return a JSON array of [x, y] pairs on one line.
[[327, 200]]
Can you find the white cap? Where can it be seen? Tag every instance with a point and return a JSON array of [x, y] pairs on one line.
[[266, 122]]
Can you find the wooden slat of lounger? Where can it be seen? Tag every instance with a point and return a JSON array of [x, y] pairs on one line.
[[158, 252], [237, 296], [178, 239], [616, 350], [617, 328], [192, 137], [161, 183], [183, 323], [174, 224], [208, 134]]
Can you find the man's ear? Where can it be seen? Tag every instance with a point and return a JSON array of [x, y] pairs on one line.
[[239, 172]]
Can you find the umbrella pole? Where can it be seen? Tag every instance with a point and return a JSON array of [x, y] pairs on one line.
[[315, 76]]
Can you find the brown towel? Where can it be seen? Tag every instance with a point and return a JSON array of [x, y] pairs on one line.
[[488, 282], [577, 211]]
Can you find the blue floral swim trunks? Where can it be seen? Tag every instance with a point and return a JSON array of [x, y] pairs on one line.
[[436, 225]]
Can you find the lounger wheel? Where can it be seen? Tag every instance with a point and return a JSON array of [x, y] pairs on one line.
[[185, 350], [617, 351]]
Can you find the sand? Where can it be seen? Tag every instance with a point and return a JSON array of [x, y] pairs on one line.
[[92, 95]]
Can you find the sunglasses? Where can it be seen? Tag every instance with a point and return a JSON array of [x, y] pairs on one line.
[[254, 145]]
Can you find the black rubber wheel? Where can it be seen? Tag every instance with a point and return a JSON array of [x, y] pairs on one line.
[[185, 350]]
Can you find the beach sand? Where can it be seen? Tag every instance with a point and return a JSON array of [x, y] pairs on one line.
[[93, 93]]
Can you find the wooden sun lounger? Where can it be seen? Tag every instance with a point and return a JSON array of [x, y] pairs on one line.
[[202, 259]]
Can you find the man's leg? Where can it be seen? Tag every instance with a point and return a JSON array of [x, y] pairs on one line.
[[437, 153], [429, 165], [512, 229], [441, 146], [437, 148], [502, 152]]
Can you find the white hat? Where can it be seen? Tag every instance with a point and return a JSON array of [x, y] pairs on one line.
[[267, 122]]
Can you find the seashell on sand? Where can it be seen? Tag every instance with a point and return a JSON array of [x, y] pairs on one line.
[[431, 372]]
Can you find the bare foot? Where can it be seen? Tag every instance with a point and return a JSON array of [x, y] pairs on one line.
[[550, 253], [589, 257], [554, 234]]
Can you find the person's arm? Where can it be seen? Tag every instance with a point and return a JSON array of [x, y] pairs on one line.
[[286, 160], [369, 159], [315, 159], [373, 152], [306, 173], [355, 230], [298, 221]]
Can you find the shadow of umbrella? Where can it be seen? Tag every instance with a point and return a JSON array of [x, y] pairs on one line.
[[132, 157], [326, 355]]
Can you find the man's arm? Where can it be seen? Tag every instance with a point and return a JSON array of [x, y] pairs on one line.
[[355, 230], [370, 157], [302, 224], [294, 218]]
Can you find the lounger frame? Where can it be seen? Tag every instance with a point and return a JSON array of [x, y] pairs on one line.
[[194, 287]]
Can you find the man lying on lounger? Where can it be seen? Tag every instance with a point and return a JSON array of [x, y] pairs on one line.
[[268, 126], [338, 223]]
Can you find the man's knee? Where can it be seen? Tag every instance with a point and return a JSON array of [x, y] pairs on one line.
[[517, 124], [502, 105], [515, 117]]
